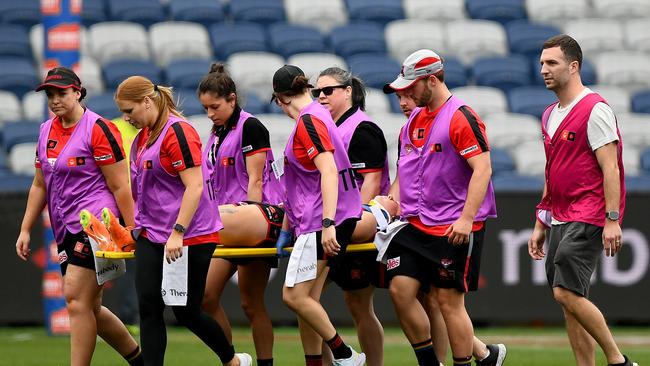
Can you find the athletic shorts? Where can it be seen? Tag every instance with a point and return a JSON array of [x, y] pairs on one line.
[[359, 270], [344, 232], [433, 261], [76, 250], [274, 216], [573, 252]]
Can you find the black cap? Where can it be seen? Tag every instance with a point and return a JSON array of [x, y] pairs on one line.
[[62, 78], [284, 77]]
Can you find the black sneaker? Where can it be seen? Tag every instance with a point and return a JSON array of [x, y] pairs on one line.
[[627, 362], [496, 357]]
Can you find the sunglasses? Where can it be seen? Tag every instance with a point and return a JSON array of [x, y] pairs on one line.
[[328, 90]]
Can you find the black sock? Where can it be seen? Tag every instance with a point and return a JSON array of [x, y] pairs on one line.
[[135, 358], [265, 362], [463, 361], [313, 360], [339, 348], [424, 353], [625, 363]]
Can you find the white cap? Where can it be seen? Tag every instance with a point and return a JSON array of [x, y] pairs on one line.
[[418, 64]]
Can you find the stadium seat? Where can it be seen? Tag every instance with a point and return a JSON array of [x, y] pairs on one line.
[[375, 70], [632, 159], [117, 71], [557, 12], [527, 38], [635, 130], [21, 158], [14, 41], [281, 126], [641, 102], [617, 97], [252, 104], [229, 38], [530, 158], [289, 39], [322, 14], [313, 63], [627, 69], [596, 35], [444, 10], [508, 130], [104, 105], [179, 40], [622, 9], [10, 108], [186, 74], [637, 183], [394, 103], [14, 133], [358, 38], [455, 72], [482, 99], [118, 40], [17, 75], [406, 36], [91, 75], [145, 12], [390, 124], [24, 12], [644, 162], [470, 39], [93, 11], [258, 11], [202, 125], [253, 72], [530, 100], [637, 34], [502, 72], [501, 11], [204, 12], [377, 101], [587, 72], [10, 182], [382, 11], [513, 182], [188, 102], [501, 161], [34, 106]]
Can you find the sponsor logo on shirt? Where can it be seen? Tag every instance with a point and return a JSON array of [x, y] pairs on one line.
[[51, 144], [247, 148], [177, 163], [63, 37], [418, 134], [408, 148], [568, 135], [52, 161], [78, 161], [436, 148], [358, 165], [311, 150], [104, 157], [469, 150], [392, 263], [79, 247], [227, 161], [63, 256], [148, 164]]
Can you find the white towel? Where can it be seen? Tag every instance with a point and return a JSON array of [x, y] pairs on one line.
[[302, 263], [174, 280], [383, 238], [378, 213], [106, 269]]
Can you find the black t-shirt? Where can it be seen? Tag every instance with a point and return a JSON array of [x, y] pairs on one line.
[[368, 149], [255, 137]]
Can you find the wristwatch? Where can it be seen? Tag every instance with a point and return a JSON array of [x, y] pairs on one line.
[[612, 215], [328, 222], [179, 228]]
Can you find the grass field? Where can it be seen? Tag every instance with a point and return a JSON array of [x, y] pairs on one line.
[[526, 347]]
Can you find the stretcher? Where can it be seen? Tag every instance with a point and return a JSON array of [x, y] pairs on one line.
[[230, 252]]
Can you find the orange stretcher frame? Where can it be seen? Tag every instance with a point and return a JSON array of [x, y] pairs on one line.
[[231, 252]]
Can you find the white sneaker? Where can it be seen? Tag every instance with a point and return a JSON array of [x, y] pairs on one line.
[[357, 359], [244, 359]]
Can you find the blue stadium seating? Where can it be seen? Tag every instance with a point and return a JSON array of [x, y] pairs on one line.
[[641, 102], [104, 105], [10, 182], [530, 100], [527, 38], [501, 11], [24, 12], [637, 183], [587, 73], [288, 39], [186, 74], [514, 182], [205, 12], [258, 11], [188, 102], [93, 11], [17, 75], [374, 70], [382, 11], [455, 72], [145, 12], [645, 162], [14, 41], [503, 72], [116, 71], [394, 103], [229, 38], [18, 132], [502, 162], [358, 38], [253, 104]]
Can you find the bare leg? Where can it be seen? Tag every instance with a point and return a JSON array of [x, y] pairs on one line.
[[459, 325], [582, 344], [411, 314], [243, 226], [113, 331], [253, 278], [436, 323], [369, 329], [311, 340], [365, 230], [219, 273]]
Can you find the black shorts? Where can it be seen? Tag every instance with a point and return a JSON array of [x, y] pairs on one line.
[[433, 261], [359, 270], [76, 250], [573, 252], [344, 232]]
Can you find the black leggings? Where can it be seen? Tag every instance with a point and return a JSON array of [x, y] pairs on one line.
[[148, 280]]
